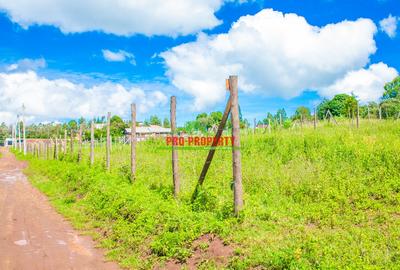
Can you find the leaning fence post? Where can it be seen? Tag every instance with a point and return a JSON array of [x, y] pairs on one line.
[[236, 157], [175, 166], [133, 142], [108, 144], [92, 143]]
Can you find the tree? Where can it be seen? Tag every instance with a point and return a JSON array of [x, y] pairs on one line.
[[166, 123], [302, 113], [154, 120], [117, 126], [341, 105], [390, 108], [392, 89]]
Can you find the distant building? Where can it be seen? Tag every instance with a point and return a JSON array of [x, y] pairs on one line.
[[262, 126], [145, 132], [99, 125]]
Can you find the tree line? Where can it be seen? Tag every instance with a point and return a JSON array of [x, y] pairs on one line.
[[340, 106]]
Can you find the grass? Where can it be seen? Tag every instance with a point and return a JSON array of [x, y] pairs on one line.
[[327, 199]]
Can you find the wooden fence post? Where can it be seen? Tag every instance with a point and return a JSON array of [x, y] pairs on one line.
[[254, 130], [81, 126], [71, 143], [92, 143], [380, 113], [236, 157], [65, 142], [19, 135], [108, 144], [269, 125], [175, 166], [358, 115], [56, 148], [133, 141], [24, 135], [315, 118]]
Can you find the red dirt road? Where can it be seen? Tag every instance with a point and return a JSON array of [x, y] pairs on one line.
[[32, 234]]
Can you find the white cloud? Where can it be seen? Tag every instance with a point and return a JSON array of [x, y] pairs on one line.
[[58, 99], [122, 17], [389, 25], [27, 64], [119, 56], [273, 53], [366, 84]]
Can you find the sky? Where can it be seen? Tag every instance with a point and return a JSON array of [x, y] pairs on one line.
[[65, 59]]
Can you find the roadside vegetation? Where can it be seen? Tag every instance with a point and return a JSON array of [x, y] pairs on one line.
[[327, 198]]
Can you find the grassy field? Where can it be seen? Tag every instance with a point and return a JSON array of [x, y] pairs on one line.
[[327, 199]]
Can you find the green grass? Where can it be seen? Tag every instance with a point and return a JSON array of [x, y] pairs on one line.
[[327, 199]]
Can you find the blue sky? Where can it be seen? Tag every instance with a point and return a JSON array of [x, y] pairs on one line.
[[35, 43]]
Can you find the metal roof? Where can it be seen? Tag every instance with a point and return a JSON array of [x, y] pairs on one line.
[[149, 129]]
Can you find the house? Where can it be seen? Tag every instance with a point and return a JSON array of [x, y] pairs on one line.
[[145, 132]]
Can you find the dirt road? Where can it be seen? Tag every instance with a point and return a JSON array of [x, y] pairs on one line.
[[32, 235]]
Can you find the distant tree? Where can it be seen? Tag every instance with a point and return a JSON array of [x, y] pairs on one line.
[[341, 105], [72, 125], [390, 108], [117, 126], [166, 123], [281, 113], [392, 89], [215, 117], [154, 120], [302, 113]]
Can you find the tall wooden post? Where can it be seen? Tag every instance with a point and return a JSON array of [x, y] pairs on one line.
[[315, 118], [269, 125], [236, 157], [24, 135], [71, 143], [65, 142], [92, 143], [80, 141], [12, 135], [254, 130], [133, 141], [19, 136], [175, 166], [56, 148], [358, 115], [380, 113], [280, 119], [108, 145]]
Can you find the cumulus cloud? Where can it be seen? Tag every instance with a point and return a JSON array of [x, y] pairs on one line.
[[274, 54], [366, 84], [123, 17], [389, 25], [119, 56], [61, 98]]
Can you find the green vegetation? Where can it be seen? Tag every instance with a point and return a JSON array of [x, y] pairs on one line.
[[323, 199]]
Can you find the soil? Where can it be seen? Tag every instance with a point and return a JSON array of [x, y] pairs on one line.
[[32, 234], [207, 248]]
